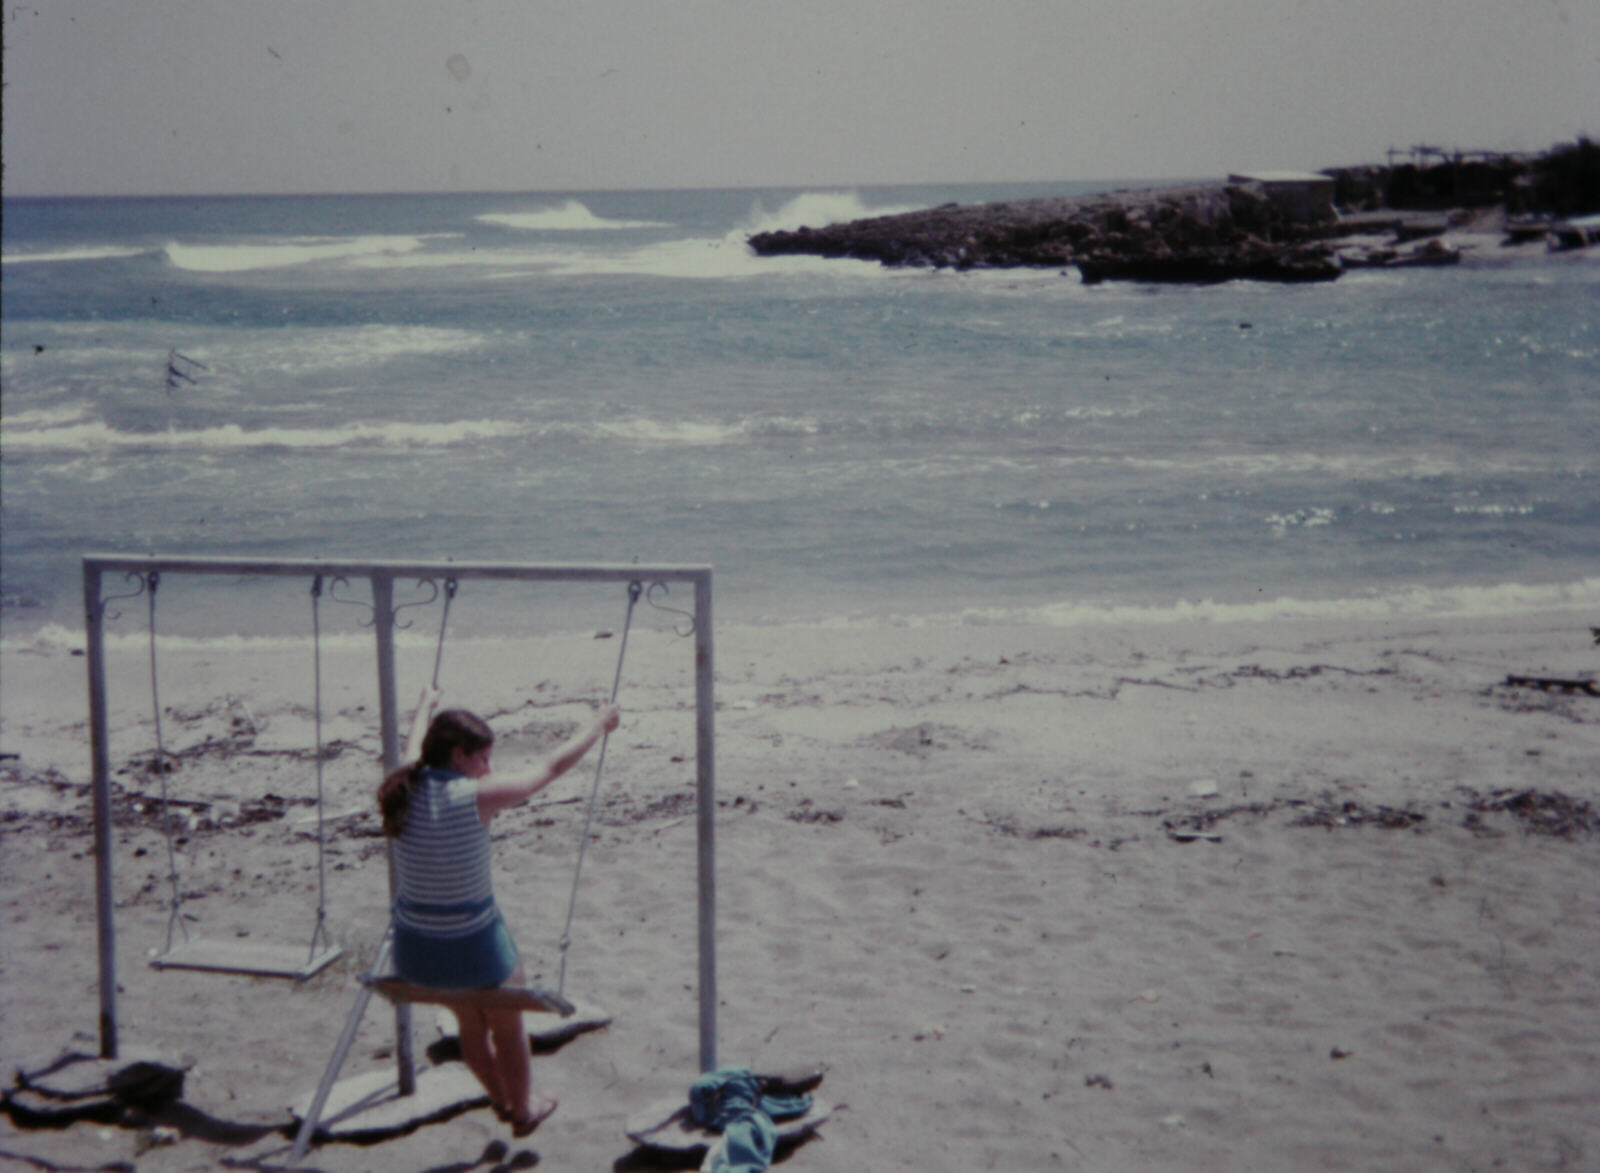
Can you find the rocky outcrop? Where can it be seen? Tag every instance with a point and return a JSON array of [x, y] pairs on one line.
[[1250, 261], [1429, 253], [1202, 233]]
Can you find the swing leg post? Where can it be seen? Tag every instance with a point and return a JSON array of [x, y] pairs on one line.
[[389, 727], [706, 808], [347, 1038], [99, 750]]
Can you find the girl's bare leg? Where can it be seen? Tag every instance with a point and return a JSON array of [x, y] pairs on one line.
[[478, 1055], [514, 1069]]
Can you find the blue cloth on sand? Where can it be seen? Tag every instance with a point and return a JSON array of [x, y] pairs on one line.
[[729, 1101]]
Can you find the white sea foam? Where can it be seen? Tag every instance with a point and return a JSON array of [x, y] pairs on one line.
[[71, 431], [44, 417], [1506, 510], [1449, 602], [706, 259], [674, 432], [243, 258], [703, 433], [237, 360], [817, 209], [535, 260], [571, 216], [1404, 465], [343, 347], [1404, 603], [1309, 518], [86, 253], [92, 435], [57, 637], [730, 255]]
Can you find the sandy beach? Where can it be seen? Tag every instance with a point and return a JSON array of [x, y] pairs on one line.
[[1310, 895]]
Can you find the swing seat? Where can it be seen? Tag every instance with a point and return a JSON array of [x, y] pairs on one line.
[[527, 998], [251, 958]]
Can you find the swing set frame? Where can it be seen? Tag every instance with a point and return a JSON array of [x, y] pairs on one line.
[[382, 574]]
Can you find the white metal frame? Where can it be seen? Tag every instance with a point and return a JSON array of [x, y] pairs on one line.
[[382, 575]]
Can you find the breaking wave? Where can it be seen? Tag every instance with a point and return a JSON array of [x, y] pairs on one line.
[[571, 216], [86, 253], [92, 435], [244, 258]]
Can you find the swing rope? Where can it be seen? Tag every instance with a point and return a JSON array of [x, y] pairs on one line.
[[175, 901], [444, 623], [319, 934], [634, 589]]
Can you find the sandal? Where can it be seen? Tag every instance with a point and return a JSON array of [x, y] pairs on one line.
[[526, 1125]]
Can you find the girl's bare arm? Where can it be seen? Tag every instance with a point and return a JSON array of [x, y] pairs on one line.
[[494, 797], [419, 722]]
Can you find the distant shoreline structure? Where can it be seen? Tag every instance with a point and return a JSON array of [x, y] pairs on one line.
[[1272, 226]]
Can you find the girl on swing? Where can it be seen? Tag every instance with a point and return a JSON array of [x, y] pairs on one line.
[[448, 931]]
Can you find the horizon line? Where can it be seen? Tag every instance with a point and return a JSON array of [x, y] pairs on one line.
[[488, 191]]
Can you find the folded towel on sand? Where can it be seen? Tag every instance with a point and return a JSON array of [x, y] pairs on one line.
[[729, 1100]]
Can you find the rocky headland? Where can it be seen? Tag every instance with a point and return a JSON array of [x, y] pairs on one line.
[[1305, 228], [1196, 233]]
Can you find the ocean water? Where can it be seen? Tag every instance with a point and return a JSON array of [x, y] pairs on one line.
[[609, 376]]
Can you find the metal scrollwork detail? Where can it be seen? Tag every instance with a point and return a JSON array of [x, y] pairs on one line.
[[142, 584], [681, 630], [421, 582], [333, 593]]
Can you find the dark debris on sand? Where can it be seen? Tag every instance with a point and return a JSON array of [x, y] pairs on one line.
[[1548, 813], [1325, 811], [1540, 812]]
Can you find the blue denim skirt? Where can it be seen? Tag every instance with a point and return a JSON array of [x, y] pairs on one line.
[[477, 961]]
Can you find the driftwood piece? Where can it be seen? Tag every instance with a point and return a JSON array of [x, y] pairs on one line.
[[1555, 684], [370, 1107], [27, 1108], [1185, 835]]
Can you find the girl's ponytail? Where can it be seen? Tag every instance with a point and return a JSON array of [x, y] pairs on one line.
[[451, 730], [394, 797]]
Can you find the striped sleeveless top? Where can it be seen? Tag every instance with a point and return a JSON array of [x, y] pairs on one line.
[[441, 858]]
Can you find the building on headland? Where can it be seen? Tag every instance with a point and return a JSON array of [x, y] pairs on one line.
[[1304, 197], [1575, 232]]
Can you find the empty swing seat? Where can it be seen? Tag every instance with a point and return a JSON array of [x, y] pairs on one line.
[[251, 958]]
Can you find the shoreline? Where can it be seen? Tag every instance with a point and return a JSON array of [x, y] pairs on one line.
[[1401, 599], [1274, 893]]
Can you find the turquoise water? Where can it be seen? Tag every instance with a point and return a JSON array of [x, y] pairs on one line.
[[606, 376]]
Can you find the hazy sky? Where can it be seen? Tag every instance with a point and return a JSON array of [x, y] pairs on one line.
[[146, 96]]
